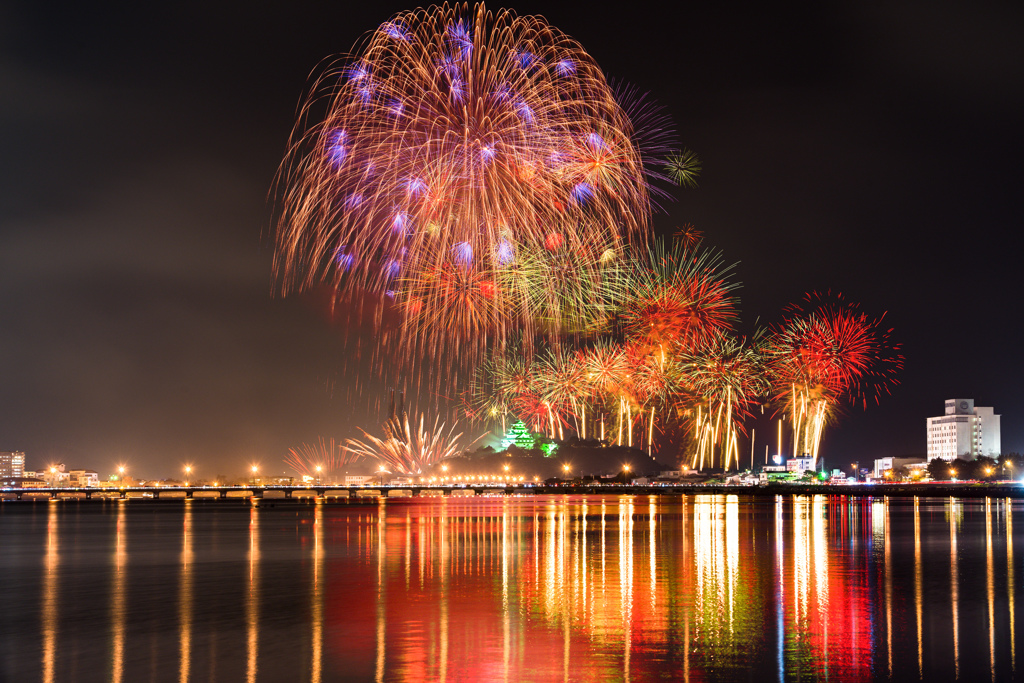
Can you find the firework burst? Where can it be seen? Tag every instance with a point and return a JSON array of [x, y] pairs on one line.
[[322, 459], [684, 168], [674, 296], [458, 148], [726, 377], [826, 353], [407, 448]]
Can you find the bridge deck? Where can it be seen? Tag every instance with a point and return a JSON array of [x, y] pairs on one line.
[[960, 490]]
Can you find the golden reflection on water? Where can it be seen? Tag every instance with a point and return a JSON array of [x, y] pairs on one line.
[[781, 588], [317, 594], [888, 586], [381, 588], [990, 585], [626, 580], [50, 593], [117, 604], [918, 587], [185, 596], [1010, 595], [252, 603], [954, 582], [445, 579], [506, 622]]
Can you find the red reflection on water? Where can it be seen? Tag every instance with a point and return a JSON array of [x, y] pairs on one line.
[[693, 588]]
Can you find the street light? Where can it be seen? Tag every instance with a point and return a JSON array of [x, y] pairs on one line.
[[254, 469], [188, 472], [120, 475], [318, 470], [381, 471]]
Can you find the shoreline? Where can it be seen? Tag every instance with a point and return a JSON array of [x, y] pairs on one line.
[[372, 494]]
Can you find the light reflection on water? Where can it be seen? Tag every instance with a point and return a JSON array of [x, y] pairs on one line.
[[551, 588]]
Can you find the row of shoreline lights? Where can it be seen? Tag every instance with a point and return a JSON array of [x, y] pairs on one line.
[[444, 468], [382, 470], [567, 469], [121, 470]]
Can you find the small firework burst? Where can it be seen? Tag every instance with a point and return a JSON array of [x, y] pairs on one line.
[[405, 448], [683, 168], [321, 460]]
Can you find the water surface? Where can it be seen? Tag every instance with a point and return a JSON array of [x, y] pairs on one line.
[[687, 588]]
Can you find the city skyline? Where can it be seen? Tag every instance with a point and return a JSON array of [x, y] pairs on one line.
[[843, 149]]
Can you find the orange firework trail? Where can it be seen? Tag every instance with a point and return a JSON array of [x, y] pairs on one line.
[[726, 377], [321, 459]]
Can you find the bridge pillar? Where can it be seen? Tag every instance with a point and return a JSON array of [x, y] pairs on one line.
[[18, 495], [88, 495], [54, 494], [287, 493], [156, 494], [223, 493], [188, 494], [257, 493]]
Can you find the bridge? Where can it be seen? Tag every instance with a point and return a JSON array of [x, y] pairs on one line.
[[349, 493], [322, 491]]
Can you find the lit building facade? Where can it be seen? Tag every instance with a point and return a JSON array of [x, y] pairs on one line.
[[800, 465], [12, 464], [83, 478], [883, 465], [965, 431]]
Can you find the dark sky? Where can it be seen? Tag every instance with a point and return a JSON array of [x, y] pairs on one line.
[[872, 148]]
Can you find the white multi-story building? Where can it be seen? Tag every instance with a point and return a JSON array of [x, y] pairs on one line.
[[965, 431], [12, 464], [800, 465]]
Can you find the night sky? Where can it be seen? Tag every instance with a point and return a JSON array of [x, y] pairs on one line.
[[874, 149]]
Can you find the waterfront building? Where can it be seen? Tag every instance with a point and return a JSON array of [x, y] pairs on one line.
[[884, 464], [360, 479], [22, 483], [964, 431], [83, 478], [12, 464], [800, 465]]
